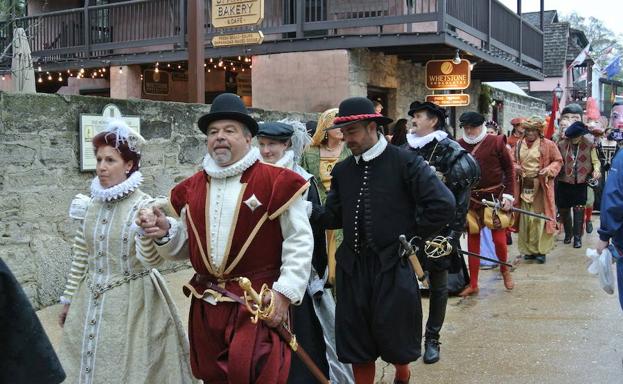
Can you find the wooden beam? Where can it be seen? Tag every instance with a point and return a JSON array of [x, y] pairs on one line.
[[196, 52]]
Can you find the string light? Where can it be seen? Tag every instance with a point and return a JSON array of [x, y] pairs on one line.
[[168, 65], [179, 66], [157, 70], [220, 63], [49, 76], [40, 79], [60, 77], [239, 58], [39, 68], [209, 70], [104, 70], [120, 70], [82, 71], [3, 77], [210, 59]]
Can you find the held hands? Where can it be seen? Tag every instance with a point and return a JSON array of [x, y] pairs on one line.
[[153, 221], [279, 314], [63, 315]]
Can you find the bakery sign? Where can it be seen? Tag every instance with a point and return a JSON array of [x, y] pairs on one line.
[[236, 13], [445, 75]]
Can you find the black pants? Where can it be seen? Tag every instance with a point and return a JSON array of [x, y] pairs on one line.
[[309, 334], [437, 305], [378, 313]]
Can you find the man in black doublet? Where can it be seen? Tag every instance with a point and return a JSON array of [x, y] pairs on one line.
[[376, 195], [460, 172]]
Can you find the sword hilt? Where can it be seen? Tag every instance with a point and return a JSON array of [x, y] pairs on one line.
[[438, 247], [405, 244], [254, 300]]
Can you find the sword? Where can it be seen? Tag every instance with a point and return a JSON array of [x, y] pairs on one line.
[[260, 311], [444, 248], [415, 262], [496, 205]]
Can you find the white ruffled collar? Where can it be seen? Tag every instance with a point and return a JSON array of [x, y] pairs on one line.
[[287, 160], [416, 141], [214, 170], [477, 139], [117, 191]]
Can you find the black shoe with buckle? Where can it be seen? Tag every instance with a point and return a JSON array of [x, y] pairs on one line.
[[540, 258], [529, 257], [431, 353]]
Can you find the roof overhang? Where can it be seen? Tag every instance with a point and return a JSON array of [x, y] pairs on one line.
[[417, 47]]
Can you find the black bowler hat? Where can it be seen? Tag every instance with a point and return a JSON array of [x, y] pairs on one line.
[[228, 106], [576, 129], [436, 110], [572, 108], [275, 130], [356, 109], [471, 119]]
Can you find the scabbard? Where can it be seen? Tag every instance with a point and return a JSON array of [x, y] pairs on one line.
[[283, 332], [289, 338]]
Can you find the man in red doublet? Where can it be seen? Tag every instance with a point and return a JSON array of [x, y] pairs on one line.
[[238, 217]]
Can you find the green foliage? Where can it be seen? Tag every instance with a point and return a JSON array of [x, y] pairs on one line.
[[484, 99], [10, 9]]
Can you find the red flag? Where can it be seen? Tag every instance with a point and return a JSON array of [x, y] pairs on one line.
[[549, 131]]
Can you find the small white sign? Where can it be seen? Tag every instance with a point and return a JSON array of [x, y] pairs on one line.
[[91, 125]]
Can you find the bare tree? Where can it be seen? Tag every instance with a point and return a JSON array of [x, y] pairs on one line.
[[605, 44]]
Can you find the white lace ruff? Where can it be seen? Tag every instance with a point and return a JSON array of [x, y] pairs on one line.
[[476, 139], [217, 172], [420, 141], [107, 194]]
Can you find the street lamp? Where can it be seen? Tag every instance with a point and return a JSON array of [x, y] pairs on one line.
[[558, 91]]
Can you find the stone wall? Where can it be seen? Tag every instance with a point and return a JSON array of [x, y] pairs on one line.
[[515, 105], [39, 158], [403, 80]]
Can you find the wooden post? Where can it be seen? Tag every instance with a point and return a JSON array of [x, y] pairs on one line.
[[87, 29], [196, 51]]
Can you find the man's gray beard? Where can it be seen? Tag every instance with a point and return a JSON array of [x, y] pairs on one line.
[[222, 159]]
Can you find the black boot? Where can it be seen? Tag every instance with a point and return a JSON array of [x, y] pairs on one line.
[[578, 226], [565, 215], [436, 314], [431, 352]]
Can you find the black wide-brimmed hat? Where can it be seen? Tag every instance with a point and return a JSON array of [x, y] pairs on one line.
[[228, 106], [471, 119], [275, 130], [433, 108], [356, 109], [576, 129]]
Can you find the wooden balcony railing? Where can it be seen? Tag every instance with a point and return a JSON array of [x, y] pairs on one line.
[[134, 26]]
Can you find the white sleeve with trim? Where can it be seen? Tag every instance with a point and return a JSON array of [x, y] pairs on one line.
[[79, 265], [296, 254], [177, 246]]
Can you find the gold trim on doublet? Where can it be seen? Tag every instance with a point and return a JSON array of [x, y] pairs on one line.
[[232, 230]]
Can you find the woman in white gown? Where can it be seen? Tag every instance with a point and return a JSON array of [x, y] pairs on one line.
[[120, 324]]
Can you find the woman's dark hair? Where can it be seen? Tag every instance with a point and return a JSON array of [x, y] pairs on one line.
[[107, 138], [399, 132]]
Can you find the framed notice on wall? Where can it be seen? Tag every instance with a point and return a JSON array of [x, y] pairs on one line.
[[91, 125]]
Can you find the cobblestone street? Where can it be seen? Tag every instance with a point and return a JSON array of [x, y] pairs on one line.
[[557, 326]]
